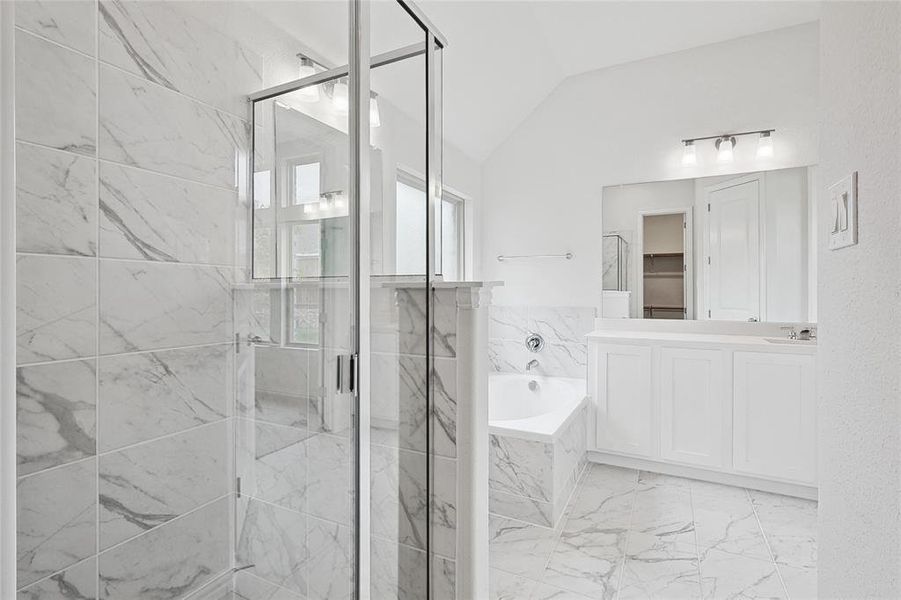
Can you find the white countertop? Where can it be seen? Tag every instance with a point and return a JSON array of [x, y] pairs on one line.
[[704, 340]]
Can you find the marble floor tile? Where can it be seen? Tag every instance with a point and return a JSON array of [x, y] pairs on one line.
[[727, 576], [672, 579], [790, 527], [518, 548], [56, 414], [56, 519], [588, 563], [56, 200], [548, 592], [506, 586], [272, 544], [331, 560], [272, 463], [801, 584], [728, 524]]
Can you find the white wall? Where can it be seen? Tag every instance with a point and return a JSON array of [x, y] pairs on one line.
[[860, 328], [542, 187]]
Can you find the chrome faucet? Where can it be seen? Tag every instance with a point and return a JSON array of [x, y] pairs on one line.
[[531, 364], [792, 333]]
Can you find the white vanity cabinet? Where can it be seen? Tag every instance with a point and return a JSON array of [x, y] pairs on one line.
[[774, 402], [740, 406]]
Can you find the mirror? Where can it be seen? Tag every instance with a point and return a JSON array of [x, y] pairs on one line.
[[728, 248]]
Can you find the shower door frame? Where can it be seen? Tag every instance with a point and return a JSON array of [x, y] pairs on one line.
[[358, 73]]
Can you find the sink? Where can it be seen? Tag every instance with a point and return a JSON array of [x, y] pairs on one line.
[[791, 341]]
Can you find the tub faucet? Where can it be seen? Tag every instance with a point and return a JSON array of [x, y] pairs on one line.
[[531, 364]]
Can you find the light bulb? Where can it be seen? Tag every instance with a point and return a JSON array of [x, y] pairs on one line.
[[765, 145], [311, 93], [724, 147], [308, 209], [375, 119], [689, 154], [339, 97]]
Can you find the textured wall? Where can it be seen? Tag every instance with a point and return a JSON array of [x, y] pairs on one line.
[[858, 383], [130, 123]]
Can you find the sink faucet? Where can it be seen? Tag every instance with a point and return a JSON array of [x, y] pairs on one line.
[[531, 364], [792, 334]]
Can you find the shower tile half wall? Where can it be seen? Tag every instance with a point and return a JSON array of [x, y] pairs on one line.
[[563, 328], [126, 162]]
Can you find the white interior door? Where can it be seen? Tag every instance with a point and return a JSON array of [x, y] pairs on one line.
[[733, 245]]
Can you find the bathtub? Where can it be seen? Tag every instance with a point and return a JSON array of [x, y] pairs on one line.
[[538, 439]]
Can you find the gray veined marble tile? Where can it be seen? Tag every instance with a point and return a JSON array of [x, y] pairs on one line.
[[521, 467], [444, 407], [164, 44], [78, 582], [509, 322], [443, 578], [510, 356], [170, 561], [588, 562], [331, 560], [727, 523], [413, 502], [411, 305], [728, 576], [674, 578], [144, 125], [329, 476], [147, 395], [663, 514], [549, 592], [154, 217], [67, 22], [56, 414], [56, 308], [148, 485], [56, 201], [398, 571], [250, 587], [272, 544], [146, 306], [530, 510], [563, 324], [506, 586], [272, 463], [801, 584], [790, 526], [56, 93], [56, 520], [519, 548], [384, 492]]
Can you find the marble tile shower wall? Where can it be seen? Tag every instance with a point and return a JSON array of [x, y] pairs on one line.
[[563, 328], [130, 127]]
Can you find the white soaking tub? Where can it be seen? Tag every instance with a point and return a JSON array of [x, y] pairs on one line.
[[537, 431]]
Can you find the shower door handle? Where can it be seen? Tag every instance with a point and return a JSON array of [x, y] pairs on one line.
[[347, 373]]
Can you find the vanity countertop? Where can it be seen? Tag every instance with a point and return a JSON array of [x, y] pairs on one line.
[[781, 345]]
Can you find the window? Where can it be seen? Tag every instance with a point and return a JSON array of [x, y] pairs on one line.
[[410, 230]]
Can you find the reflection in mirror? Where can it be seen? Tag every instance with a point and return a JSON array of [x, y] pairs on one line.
[[734, 248]]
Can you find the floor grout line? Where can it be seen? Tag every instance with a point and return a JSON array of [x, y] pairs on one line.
[[766, 540]]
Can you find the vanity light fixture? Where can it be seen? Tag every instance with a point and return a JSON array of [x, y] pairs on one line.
[[340, 99], [307, 69], [689, 153], [765, 145], [725, 146]]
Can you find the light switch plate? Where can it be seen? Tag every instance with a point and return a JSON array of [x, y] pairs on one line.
[[843, 212]]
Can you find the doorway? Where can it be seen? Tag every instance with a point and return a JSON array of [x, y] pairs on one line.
[[664, 239]]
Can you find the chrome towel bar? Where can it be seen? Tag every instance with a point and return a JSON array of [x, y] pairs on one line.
[[503, 257]]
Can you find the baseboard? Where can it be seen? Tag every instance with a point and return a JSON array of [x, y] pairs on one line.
[[746, 481]]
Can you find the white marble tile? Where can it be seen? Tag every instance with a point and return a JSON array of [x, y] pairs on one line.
[[284, 370], [56, 414], [171, 560], [331, 560], [56, 201], [597, 507], [148, 485], [147, 395], [414, 504], [412, 322], [522, 508], [384, 500], [790, 526], [506, 586], [67, 22], [549, 592], [444, 406], [521, 467], [663, 512], [509, 322], [728, 576], [443, 579], [519, 548], [164, 44], [144, 125], [272, 544], [569, 455], [801, 584], [154, 217], [56, 308], [509, 356], [606, 477], [727, 523], [398, 571], [272, 463], [78, 582], [55, 520], [56, 93], [329, 478], [588, 562], [563, 360], [250, 587], [146, 306], [657, 577], [563, 324]]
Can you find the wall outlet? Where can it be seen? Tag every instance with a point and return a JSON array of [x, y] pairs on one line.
[[843, 212]]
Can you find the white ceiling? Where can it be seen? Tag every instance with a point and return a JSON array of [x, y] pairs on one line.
[[506, 56]]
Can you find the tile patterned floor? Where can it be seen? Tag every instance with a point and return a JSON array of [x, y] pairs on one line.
[[628, 534]]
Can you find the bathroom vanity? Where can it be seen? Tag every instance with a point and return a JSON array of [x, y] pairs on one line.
[[732, 408]]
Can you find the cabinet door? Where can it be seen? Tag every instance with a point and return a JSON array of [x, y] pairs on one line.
[[774, 416], [692, 398], [624, 398]]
